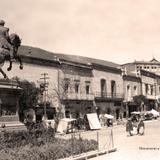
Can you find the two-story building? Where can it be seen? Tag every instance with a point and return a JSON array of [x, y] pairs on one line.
[[78, 85], [149, 89], [148, 72], [69, 81], [75, 88], [36, 62], [141, 91], [108, 87], [131, 89]]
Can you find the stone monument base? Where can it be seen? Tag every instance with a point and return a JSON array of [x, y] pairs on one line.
[[12, 126], [9, 106]]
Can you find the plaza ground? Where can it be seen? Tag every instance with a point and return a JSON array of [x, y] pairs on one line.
[[136, 147]]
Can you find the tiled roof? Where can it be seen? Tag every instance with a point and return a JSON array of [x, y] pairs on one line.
[[33, 52], [86, 60]]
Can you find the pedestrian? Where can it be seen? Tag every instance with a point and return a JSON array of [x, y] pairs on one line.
[[129, 127], [51, 130], [86, 123], [141, 127]]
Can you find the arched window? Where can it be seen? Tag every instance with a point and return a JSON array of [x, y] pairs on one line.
[[135, 90], [128, 92], [77, 86], [103, 88], [113, 88], [146, 88], [66, 85]]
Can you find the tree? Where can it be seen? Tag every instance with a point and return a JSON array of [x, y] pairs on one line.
[[29, 96], [139, 100], [61, 94], [63, 89]]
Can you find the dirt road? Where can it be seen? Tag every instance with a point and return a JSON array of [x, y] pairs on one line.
[[136, 147]]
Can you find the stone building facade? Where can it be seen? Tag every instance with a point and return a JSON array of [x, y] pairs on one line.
[[150, 66], [75, 89], [149, 89], [78, 85], [131, 89], [108, 89], [34, 66]]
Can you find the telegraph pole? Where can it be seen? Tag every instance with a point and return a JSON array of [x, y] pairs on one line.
[[45, 83]]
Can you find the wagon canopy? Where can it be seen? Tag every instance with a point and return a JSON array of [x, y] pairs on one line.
[[108, 116]]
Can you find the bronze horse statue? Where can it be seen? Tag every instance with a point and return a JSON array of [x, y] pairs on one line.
[[15, 41]]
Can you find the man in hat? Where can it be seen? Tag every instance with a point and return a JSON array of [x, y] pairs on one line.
[[5, 47]]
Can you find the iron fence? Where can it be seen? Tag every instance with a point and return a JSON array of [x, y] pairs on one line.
[[103, 141], [109, 95]]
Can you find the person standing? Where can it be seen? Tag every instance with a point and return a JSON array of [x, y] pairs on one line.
[[141, 127], [129, 127]]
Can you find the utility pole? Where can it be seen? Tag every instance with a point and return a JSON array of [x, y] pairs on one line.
[[45, 84]]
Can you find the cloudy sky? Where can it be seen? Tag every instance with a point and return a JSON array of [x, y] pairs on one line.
[[113, 30]]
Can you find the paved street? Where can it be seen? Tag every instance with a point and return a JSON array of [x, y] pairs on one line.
[[136, 147]]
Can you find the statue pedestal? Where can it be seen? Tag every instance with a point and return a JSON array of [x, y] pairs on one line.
[[9, 106], [9, 118], [11, 123]]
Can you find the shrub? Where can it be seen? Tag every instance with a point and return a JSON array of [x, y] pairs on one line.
[[22, 145]]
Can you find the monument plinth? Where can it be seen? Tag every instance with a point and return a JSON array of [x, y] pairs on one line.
[[9, 105]]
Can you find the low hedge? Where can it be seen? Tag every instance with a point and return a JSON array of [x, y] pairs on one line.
[[22, 145]]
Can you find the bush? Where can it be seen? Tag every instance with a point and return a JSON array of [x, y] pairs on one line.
[[22, 145]]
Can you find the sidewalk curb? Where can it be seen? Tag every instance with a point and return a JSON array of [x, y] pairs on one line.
[[90, 154]]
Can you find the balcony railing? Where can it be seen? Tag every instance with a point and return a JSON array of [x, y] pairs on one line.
[[106, 95], [78, 96], [149, 96]]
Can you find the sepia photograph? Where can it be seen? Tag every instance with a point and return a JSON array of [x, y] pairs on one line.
[[79, 79]]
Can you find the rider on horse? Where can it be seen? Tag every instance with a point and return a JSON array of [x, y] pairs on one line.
[[8, 48], [5, 47]]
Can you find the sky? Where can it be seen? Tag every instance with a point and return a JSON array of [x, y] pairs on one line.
[[120, 31]]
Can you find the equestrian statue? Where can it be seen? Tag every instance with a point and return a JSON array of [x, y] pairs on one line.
[[9, 45]]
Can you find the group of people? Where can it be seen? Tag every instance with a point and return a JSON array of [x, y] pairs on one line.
[[135, 126], [105, 121]]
